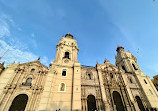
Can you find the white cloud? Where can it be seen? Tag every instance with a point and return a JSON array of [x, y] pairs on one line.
[[34, 43], [45, 61], [15, 54], [4, 29], [17, 51]]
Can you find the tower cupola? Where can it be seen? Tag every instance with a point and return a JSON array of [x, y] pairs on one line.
[[126, 60], [67, 50], [120, 48], [69, 35]]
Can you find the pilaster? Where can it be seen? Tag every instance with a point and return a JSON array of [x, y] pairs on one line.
[[45, 97], [76, 87], [107, 106]]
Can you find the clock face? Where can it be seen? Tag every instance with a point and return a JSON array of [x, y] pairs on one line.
[[66, 61]]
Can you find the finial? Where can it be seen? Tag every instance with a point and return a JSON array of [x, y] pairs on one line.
[[105, 60], [38, 58], [69, 35]]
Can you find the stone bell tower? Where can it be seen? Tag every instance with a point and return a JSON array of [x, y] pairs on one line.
[[64, 78], [67, 50], [128, 63]]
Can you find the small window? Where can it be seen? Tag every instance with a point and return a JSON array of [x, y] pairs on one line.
[[145, 81], [130, 79], [62, 87], [89, 76], [67, 55], [32, 70], [123, 67], [111, 75], [28, 82], [64, 73], [134, 67]]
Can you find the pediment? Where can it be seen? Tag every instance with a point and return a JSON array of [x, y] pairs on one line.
[[109, 67], [37, 63]]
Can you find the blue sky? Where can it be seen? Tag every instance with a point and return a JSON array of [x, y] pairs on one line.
[[32, 28]]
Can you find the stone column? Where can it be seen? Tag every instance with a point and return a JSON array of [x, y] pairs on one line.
[[136, 106], [126, 101], [115, 108], [102, 89], [132, 107], [86, 108]]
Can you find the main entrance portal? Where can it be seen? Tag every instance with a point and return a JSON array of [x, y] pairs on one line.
[[118, 101], [91, 103], [19, 103]]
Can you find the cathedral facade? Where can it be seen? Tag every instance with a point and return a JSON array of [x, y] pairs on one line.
[[66, 85]]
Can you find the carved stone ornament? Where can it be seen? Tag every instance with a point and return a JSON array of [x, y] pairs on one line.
[[53, 71]]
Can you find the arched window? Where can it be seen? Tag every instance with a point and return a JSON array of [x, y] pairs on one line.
[[89, 76], [67, 55], [123, 67], [32, 70], [19, 103], [118, 101], [145, 81], [134, 67], [28, 82], [62, 87]]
